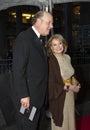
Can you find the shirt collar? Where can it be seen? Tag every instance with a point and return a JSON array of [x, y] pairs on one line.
[[37, 33]]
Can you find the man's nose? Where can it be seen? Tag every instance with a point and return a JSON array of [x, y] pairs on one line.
[[51, 25]]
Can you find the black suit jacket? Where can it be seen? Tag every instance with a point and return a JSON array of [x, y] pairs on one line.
[[29, 70]]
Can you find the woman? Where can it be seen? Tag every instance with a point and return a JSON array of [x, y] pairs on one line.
[[62, 85]]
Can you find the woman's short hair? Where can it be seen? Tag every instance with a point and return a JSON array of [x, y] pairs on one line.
[[58, 37]]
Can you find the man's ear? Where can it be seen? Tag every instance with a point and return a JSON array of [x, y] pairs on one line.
[[39, 20]]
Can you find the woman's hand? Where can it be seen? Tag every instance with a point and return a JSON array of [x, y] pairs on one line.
[[66, 87], [75, 88]]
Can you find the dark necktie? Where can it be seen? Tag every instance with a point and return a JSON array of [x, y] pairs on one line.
[[42, 40], [42, 46]]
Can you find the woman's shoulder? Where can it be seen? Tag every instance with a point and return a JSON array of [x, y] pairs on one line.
[[52, 59], [67, 56]]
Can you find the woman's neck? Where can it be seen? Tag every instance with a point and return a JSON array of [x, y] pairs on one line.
[[58, 55]]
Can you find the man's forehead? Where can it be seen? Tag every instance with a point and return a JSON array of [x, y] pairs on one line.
[[47, 14]]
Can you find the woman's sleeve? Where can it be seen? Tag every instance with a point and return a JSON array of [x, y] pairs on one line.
[[55, 84]]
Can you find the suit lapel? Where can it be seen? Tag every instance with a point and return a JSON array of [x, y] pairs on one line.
[[38, 45]]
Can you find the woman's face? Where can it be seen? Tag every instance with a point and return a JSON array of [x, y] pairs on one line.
[[57, 46]]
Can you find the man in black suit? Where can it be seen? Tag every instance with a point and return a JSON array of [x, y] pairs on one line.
[[30, 71]]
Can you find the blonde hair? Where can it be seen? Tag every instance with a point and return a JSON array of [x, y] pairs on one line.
[[58, 37]]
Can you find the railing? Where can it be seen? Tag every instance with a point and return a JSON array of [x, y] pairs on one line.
[[5, 65], [80, 60]]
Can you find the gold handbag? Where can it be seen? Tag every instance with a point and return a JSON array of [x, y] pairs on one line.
[[74, 81]]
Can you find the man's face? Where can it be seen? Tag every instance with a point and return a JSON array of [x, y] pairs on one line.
[[46, 24]]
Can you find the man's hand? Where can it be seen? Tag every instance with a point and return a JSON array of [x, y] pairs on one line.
[[25, 102]]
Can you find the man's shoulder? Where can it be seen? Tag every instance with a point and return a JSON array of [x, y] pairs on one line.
[[26, 33]]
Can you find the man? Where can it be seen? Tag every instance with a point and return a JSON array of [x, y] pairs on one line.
[[30, 71]]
